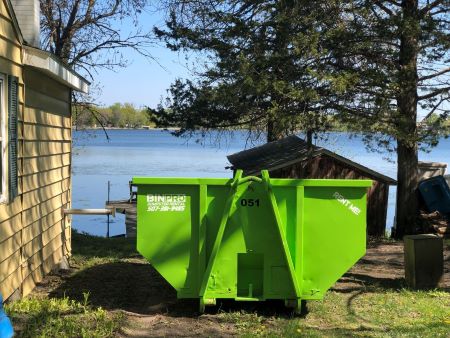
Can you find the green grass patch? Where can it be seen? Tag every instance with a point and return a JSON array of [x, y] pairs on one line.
[[381, 313], [62, 317]]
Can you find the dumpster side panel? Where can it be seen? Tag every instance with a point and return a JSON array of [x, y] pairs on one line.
[[334, 235], [290, 209], [168, 233]]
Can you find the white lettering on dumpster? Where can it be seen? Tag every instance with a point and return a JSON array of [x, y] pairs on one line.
[[345, 202], [166, 202]]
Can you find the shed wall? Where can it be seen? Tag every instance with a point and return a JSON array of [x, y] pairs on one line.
[[33, 234]]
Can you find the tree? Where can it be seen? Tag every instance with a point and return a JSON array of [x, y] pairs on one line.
[[399, 52], [117, 115], [91, 34], [287, 64], [262, 69]]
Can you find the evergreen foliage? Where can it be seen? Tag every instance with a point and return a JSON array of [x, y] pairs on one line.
[[263, 68], [284, 66]]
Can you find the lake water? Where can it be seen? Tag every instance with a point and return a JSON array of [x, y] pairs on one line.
[[156, 153]]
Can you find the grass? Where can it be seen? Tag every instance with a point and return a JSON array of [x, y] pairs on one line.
[[62, 317], [382, 313], [369, 311], [38, 316]]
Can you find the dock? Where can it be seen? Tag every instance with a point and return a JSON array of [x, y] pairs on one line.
[[128, 208]]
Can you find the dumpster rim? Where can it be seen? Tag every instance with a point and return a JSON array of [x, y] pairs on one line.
[[350, 183]]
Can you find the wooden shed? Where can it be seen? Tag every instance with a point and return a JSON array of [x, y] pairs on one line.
[[35, 156], [290, 158]]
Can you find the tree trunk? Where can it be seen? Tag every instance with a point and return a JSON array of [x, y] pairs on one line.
[[407, 158], [274, 133], [407, 204]]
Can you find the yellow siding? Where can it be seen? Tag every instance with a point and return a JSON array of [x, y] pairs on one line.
[[45, 148], [34, 165], [37, 116], [33, 214], [10, 226], [43, 178], [32, 277], [11, 283], [37, 133], [34, 235], [9, 265]]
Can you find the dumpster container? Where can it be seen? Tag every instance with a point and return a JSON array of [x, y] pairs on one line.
[[251, 238]]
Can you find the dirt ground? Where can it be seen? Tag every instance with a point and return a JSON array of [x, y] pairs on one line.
[[135, 289]]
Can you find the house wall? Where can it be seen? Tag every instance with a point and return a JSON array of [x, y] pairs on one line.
[[45, 172], [327, 167], [33, 234]]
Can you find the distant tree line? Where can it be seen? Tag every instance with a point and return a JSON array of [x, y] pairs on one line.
[[118, 115]]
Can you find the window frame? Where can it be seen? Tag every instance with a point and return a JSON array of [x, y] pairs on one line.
[[3, 139]]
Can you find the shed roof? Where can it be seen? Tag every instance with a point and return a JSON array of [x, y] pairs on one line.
[[287, 151]]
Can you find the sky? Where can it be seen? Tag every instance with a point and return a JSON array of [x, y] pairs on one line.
[[144, 81]]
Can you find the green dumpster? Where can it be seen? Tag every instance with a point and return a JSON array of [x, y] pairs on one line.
[[251, 238]]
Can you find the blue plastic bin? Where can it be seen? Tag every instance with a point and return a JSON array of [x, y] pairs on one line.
[[436, 194], [6, 328]]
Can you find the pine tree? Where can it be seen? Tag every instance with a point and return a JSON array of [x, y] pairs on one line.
[[263, 66], [399, 53]]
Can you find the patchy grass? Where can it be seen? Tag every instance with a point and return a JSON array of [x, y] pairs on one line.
[[62, 317], [88, 251], [112, 291], [378, 313]]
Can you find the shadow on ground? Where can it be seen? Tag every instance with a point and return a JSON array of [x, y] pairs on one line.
[[137, 287]]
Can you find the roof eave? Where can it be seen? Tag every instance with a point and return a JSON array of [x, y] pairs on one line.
[[50, 65]]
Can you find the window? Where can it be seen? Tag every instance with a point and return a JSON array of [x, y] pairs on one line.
[[8, 140]]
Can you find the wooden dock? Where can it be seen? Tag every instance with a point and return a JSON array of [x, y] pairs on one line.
[[128, 208]]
